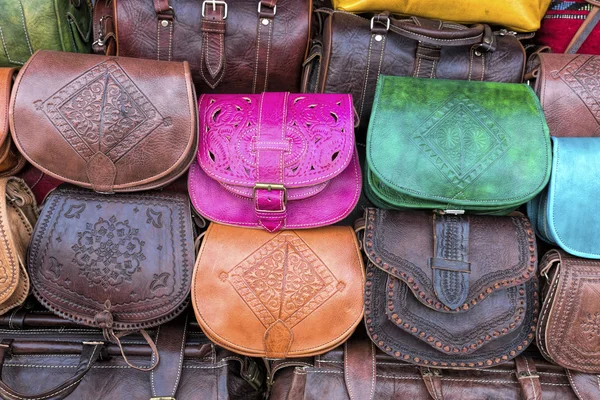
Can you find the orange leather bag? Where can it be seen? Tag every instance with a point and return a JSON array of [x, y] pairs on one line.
[[292, 294]]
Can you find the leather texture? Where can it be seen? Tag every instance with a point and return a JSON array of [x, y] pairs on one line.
[[40, 184], [564, 213], [437, 144], [570, 319], [450, 291], [397, 380], [352, 51], [114, 127], [275, 161], [290, 294], [45, 352], [520, 15], [31, 25], [18, 214], [250, 50], [120, 263], [568, 88], [11, 161]]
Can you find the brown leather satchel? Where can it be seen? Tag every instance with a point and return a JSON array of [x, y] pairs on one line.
[[569, 91], [121, 263], [292, 294], [569, 327], [45, 357], [233, 46], [104, 122], [351, 52], [18, 214], [11, 161], [356, 371], [450, 291]]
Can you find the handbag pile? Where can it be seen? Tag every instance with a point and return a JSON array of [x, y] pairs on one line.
[[299, 199]]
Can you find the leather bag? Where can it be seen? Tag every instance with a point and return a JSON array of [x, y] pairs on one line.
[[121, 263], [568, 87], [520, 15], [11, 161], [564, 214], [28, 26], [450, 291], [46, 357], [18, 214], [356, 371], [290, 294], [276, 160], [352, 51], [233, 46], [454, 145], [114, 128]]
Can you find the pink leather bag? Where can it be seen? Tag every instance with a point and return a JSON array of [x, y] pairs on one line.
[[275, 160]]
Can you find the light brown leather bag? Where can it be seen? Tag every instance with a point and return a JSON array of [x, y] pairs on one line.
[[292, 294], [112, 124], [18, 214], [11, 161]]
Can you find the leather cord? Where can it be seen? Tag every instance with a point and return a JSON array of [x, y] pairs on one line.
[[116, 338]]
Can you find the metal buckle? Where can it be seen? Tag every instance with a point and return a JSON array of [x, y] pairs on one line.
[[214, 6], [94, 343], [387, 28], [260, 8], [528, 375], [163, 398], [454, 212], [270, 187]]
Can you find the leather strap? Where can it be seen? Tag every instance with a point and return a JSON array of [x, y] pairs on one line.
[[528, 378], [170, 342], [585, 386], [360, 369], [450, 264], [89, 354], [478, 34], [585, 29], [105, 41], [164, 34], [271, 146], [426, 59], [266, 18], [432, 377], [212, 66]]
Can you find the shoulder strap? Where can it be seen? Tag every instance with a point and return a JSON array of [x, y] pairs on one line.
[[585, 29], [170, 342], [528, 378], [360, 369]]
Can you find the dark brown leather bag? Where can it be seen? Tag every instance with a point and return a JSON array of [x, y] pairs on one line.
[[450, 291], [233, 46], [356, 371], [104, 122], [119, 262], [352, 51], [45, 357]]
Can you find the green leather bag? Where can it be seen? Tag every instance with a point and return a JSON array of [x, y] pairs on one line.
[[566, 212], [455, 145], [30, 25]]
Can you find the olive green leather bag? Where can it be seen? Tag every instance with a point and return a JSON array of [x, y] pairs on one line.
[[455, 145], [30, 25]]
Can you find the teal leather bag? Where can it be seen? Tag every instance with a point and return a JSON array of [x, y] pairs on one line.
[[30, 25], [566, 212], [455, 145]]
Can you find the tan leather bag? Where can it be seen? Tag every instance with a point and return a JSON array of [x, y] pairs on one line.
[[18, 214], [292, 294], [11, 161]]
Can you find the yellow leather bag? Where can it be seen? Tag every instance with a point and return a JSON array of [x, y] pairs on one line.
[[517, 15]]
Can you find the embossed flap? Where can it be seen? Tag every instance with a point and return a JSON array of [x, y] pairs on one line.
[[290, 294], [113, 126], [115, 262], [456, 144]]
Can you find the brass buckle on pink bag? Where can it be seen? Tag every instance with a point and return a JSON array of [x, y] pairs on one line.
[[269, 187]]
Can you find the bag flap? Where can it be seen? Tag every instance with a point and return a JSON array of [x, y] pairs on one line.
[[113, 126], [317, 138], [572, 196], [276, 295], [121, 261], [451, 263], [459, 143]]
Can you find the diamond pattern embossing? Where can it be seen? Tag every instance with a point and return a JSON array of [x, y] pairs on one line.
[[461, 140], [581, 76], [283, 280], [102, 111]]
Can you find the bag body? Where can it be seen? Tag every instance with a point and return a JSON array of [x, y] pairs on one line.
[[11, 161], [290, 294], [564, 213], [450, 291], [115, 128], [232, 46], [454, 145], [28, 26], [353, 51], [567, 85], [275, 161], [520, 15]]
